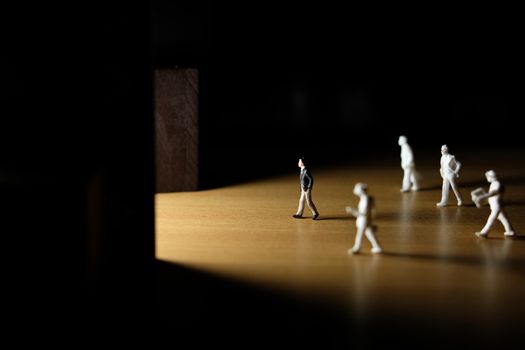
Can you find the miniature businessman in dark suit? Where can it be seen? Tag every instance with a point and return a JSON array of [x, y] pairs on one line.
[[307, 183]]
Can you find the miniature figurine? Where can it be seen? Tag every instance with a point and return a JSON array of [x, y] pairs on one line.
[[363, 223], [307, 183], [495, 200], [449, 170], [410, 181]]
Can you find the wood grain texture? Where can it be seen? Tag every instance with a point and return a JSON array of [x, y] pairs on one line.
[[176, 129], [433, 267]]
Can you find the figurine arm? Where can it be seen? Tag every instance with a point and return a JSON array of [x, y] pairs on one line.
[[352, 211], [307, 181], [458, 167], [492, 193], [361, 211], [456, 164], [406, 156], [409, 158], [371, 207]]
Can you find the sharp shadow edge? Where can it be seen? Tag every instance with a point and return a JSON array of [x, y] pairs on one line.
[[200, 308]]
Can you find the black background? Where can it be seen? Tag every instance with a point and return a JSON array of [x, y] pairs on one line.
[[334, 81]]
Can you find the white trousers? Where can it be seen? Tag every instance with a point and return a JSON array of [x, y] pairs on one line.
[[448, 180], [501, 216], [409, 179], [368, 230], [306, 195]]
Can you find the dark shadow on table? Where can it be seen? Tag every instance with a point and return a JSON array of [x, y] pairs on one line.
[[430, 188], [343, 218], [516, 202], [516, 238], [200, 309], [468, 205], [517, 265]]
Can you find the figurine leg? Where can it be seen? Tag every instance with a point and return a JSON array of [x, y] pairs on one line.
[[490, 221], [456, 191], [502, 217], [310, 203], [413, 179], [407, 173], [444, 193], [357, 242], [301, 204], [370, 234]]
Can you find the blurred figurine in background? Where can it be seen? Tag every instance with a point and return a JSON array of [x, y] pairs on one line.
[[307, 183], [495, 200], [449, 171], [364, 223], [410, 177]]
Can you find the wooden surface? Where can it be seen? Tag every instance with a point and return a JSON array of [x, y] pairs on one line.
[[433, 267]]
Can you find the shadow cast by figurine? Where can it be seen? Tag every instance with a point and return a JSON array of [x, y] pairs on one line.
[[517, 203], [512, 264], [335, 218], [430, 188], [387, 216], [468, 205], [517, 237]]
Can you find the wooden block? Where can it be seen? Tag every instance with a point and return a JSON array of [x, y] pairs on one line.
[[176, 130]]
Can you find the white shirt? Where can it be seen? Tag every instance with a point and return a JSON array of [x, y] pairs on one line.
[[495, 201], [449, 165], [407, 157]]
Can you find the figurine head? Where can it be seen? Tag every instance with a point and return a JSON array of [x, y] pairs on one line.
[[301, 164], [402, 140], [444, 149], [491, 175], [360, 188]]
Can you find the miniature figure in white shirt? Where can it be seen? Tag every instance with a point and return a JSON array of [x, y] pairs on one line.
[[494, 197], [408, 166], [449, 171], [363, 223]]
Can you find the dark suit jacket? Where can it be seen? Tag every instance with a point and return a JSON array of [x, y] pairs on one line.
[[307, 180]]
